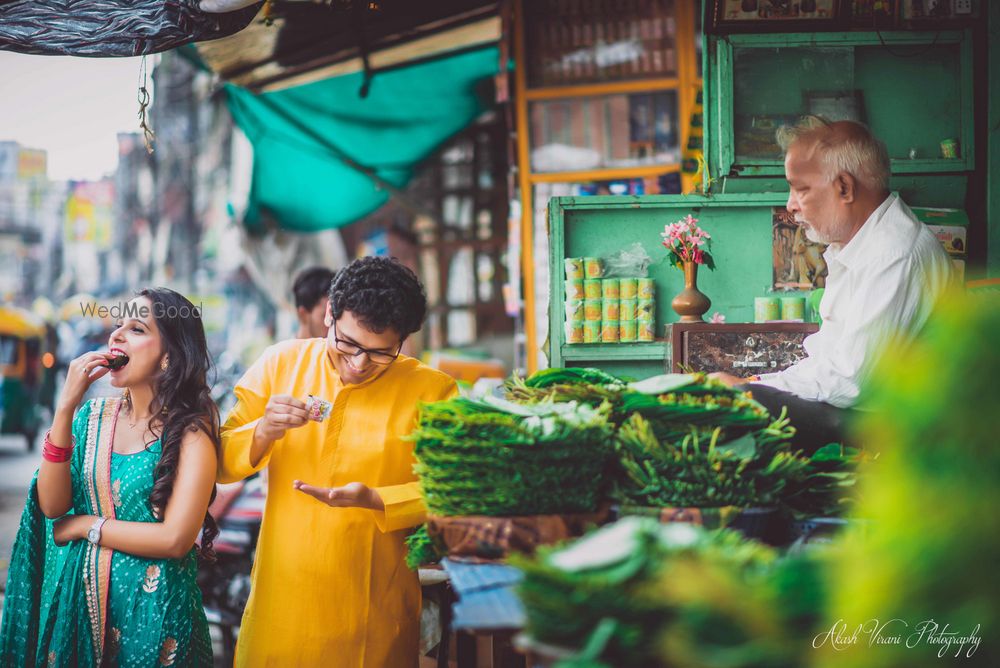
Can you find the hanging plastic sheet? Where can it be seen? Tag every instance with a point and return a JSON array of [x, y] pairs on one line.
[[112, 28], [320, 150]]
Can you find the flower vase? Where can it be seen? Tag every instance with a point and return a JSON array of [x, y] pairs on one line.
[[690, 304]]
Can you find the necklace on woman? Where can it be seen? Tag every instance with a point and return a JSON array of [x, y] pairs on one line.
[[132, 418]]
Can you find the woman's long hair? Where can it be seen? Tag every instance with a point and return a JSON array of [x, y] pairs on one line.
[[181, 398]]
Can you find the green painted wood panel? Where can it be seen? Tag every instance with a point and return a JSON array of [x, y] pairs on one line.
[[740, 226], [940, 190], [627, 369], [917, 90]]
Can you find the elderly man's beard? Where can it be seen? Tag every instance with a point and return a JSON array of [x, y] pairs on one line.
[[838, 230]]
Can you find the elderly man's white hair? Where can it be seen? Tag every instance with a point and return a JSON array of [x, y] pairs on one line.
[[843, 146]]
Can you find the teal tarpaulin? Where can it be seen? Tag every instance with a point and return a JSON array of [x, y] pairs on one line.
[[305, 137]]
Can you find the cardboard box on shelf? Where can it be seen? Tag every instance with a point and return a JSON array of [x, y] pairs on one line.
[[951, 237], [935, 216]]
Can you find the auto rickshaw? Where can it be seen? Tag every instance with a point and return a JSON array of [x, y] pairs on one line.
[[23, 365]]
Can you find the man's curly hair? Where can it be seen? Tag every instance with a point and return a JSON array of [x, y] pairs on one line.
[[382, 293]]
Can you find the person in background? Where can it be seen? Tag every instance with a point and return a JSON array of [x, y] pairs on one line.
[[329, 417], [310, 289], [886, 271]]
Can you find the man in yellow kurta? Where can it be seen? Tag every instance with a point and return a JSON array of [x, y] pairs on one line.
[[330, 586]]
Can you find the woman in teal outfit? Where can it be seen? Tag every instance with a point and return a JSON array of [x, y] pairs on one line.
[[112, 580]]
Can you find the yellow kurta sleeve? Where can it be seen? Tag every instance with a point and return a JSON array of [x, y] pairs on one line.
[[404, 505], [252, 393]]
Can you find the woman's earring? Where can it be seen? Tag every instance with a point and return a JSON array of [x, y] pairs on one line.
[[164, 364]]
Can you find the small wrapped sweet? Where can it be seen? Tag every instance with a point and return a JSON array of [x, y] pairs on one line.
[[318, 409]]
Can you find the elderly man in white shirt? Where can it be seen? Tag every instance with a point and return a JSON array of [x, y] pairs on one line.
[[886, 270]]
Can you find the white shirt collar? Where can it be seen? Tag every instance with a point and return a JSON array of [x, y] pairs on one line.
[[853, 251]]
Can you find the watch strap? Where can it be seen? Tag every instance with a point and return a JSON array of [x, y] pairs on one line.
[[97, 526]]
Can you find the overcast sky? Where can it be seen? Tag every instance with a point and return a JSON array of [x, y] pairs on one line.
[[71, 107]]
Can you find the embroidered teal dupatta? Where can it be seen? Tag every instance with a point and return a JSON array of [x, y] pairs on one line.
[[86, 605]]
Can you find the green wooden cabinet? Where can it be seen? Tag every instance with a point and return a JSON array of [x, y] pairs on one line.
[[740, 226], [914, 89]]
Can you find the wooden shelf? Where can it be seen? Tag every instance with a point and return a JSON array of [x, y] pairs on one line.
[[611, 174], [594, 90]]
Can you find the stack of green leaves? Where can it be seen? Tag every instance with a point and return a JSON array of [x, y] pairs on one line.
[[580, 384], [830, 486], [493, 457], [754, 470], [686, 440], [670, 401], [614, 597], [673, 404]]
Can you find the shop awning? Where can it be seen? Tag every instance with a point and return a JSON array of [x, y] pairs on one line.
[[320, 149], [305, 41]]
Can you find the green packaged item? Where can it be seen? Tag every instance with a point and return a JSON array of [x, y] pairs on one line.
[[575, 311], [627, 331], [644, 288], [593, 267], [575, 290], [627, 309], [645, 309], [645, 330], [592, 331], [574, 267], [609, 309], [766, 309], [574, 332], [793, 308], [592, 310], [609, 288], [628, 288], [609, 331], [592, 288]]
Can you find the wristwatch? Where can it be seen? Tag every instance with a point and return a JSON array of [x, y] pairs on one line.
[[94, 534]]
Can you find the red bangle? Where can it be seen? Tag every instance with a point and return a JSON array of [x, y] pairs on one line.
[[53, 453]]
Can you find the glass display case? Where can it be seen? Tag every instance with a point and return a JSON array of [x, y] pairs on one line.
[[606, 131], [573, 42]]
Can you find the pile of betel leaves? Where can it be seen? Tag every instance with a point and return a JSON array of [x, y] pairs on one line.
[[638, 593], [493, 457], [685, 440]]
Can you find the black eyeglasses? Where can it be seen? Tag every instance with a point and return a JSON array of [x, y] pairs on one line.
[[376, 356]]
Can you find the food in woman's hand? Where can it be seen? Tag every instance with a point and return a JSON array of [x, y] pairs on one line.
[[318, 409], [119, 361]]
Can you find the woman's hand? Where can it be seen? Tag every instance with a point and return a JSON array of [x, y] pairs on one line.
[[80, 375], [72, 527], [351, 495]]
